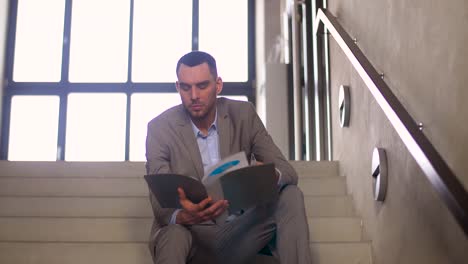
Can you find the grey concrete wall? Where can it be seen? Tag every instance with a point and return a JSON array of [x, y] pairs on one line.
[[271, 72], [3, 34], [421, 47]]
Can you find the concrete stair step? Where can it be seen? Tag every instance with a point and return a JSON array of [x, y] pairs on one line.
[[125, 253], [76, 206], [341, 253], [71, 169], [66, 187], [136, 206], [129, 169], [323, 186], [74, 253], [57, 229], [125, 187], [335, 229], [317, 206], [306, 169]]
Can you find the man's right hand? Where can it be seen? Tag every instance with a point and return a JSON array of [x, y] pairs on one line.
[[192, 214]]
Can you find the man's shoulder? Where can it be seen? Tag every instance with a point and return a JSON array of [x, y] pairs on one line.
[[168, 117], [235, 107]]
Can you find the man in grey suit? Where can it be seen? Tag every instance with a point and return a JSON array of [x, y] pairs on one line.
[[189, 138]]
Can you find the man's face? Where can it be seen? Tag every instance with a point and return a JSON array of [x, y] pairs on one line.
[[198, 89]]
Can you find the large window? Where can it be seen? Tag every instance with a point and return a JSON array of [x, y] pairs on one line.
[[84, 77]]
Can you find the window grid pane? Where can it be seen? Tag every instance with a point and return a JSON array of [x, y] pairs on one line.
[[38, 46], [33, 128], [99, 41], [96, 127], [162, 32], [145, 107], [224, 34]]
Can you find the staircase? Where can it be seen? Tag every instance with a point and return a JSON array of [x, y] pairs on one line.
[[335, 229], [70, 213]]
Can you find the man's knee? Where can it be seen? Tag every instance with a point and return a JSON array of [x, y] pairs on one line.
[[173, 240], [291, 201], [291, 194], [291, 216], [174, 234]]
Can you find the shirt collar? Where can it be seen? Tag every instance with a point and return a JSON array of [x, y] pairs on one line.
[[213, 126]]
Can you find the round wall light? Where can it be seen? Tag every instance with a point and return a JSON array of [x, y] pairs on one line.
[[379, 174], [344, 105]]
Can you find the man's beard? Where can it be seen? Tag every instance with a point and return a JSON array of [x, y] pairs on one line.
[[200, 115]]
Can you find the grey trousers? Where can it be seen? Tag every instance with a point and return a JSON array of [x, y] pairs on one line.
[[281, 225]]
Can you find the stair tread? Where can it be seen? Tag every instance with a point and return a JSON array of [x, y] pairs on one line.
[[334, 205], [136, 206], [59, 169], [316, 168], [66, 187], [335, 229], [341, 253], [74, 253], [82, 229], [128, 169], [128, 187], [323, 186], [124, 253]]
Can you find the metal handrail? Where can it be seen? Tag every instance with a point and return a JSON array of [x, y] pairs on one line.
[[437, 171]]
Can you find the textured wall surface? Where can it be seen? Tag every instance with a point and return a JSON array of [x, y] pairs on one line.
[[420, 45]]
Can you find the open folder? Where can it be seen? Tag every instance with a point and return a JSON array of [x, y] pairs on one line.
[[231, 179]]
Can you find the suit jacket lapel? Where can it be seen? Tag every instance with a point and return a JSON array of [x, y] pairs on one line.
[[188, 139], [224, 130]]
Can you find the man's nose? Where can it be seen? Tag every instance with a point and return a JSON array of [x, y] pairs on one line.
[[194, 93]]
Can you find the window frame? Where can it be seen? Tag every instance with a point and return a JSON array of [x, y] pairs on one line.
[[63, 88]]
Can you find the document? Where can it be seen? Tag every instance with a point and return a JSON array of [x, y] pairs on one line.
[[231, 179]]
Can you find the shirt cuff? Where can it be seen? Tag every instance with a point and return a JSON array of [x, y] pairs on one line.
[[174, 217]]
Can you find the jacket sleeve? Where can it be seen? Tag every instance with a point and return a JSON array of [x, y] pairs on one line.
[[265, 150], [158, 161]]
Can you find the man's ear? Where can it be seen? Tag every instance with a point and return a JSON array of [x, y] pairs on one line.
[[219, 85], [177, 86]]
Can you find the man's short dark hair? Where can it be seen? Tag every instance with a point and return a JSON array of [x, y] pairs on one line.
[[195, 58]]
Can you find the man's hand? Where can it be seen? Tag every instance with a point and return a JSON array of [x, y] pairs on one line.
[[192, 214], [258, 163]]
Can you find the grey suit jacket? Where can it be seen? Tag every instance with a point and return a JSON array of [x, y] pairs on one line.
[[171, 146]]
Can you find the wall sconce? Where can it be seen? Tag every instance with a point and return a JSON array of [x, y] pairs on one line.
[[344, 105], [379, 174]]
